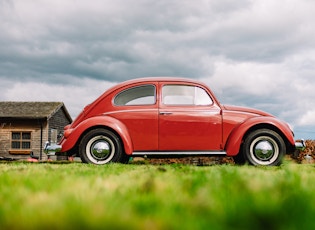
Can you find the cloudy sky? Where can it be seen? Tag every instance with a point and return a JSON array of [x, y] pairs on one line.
[[255, 53]]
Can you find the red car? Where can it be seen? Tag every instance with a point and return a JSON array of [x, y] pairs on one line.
[[172, 117]]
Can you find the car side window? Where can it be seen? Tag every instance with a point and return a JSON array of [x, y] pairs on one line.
[[185, 95], [139, 95]]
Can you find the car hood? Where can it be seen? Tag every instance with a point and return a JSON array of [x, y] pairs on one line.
[[245, 110]]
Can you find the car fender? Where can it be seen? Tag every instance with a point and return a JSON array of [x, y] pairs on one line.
[[234, 141], [73, 136]]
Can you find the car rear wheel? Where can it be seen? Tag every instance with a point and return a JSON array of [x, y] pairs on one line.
[[264, 147], [101, 146]]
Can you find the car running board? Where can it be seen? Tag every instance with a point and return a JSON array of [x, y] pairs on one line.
[[179, 153]]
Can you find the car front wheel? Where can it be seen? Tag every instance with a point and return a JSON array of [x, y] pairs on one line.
[[101, 146], [264, 147]]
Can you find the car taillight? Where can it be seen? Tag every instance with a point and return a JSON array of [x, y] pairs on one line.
[[67, 131]]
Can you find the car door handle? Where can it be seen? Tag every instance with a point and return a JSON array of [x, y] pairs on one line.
[[165, 113]]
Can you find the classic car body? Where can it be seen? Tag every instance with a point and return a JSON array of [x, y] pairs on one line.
[[172, 116]]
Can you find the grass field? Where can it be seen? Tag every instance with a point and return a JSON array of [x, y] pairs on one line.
[[116, 196]]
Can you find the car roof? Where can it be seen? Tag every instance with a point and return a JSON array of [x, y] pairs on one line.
[[149, 79], [158, 79], [143, 80]]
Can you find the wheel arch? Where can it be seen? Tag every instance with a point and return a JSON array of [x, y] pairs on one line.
[[99, 127], [239, 134], [288, 145], [71, 143]]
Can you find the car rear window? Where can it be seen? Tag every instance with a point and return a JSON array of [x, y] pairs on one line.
[[139, 95]]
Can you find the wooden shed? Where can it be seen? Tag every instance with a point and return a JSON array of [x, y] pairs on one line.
[[26, 126]]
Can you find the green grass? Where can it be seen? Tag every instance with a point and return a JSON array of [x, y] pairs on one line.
[[116, 196]]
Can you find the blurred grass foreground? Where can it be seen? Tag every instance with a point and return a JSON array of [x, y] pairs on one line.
[[116, 196]]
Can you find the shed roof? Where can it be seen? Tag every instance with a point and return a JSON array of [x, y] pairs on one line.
[[31, 110]]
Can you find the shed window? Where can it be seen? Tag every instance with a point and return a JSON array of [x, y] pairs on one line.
[[21, 141]]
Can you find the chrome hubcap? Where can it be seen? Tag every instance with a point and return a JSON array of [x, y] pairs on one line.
[[264, 150], [100, 149]]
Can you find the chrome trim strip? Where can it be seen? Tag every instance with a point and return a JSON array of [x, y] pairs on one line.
[[160, 110], [164, 153]]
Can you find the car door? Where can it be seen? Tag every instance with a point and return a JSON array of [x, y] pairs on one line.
[[189, 120]]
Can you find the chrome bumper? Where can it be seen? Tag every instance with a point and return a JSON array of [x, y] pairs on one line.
[[51, 149], [300, 145]]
